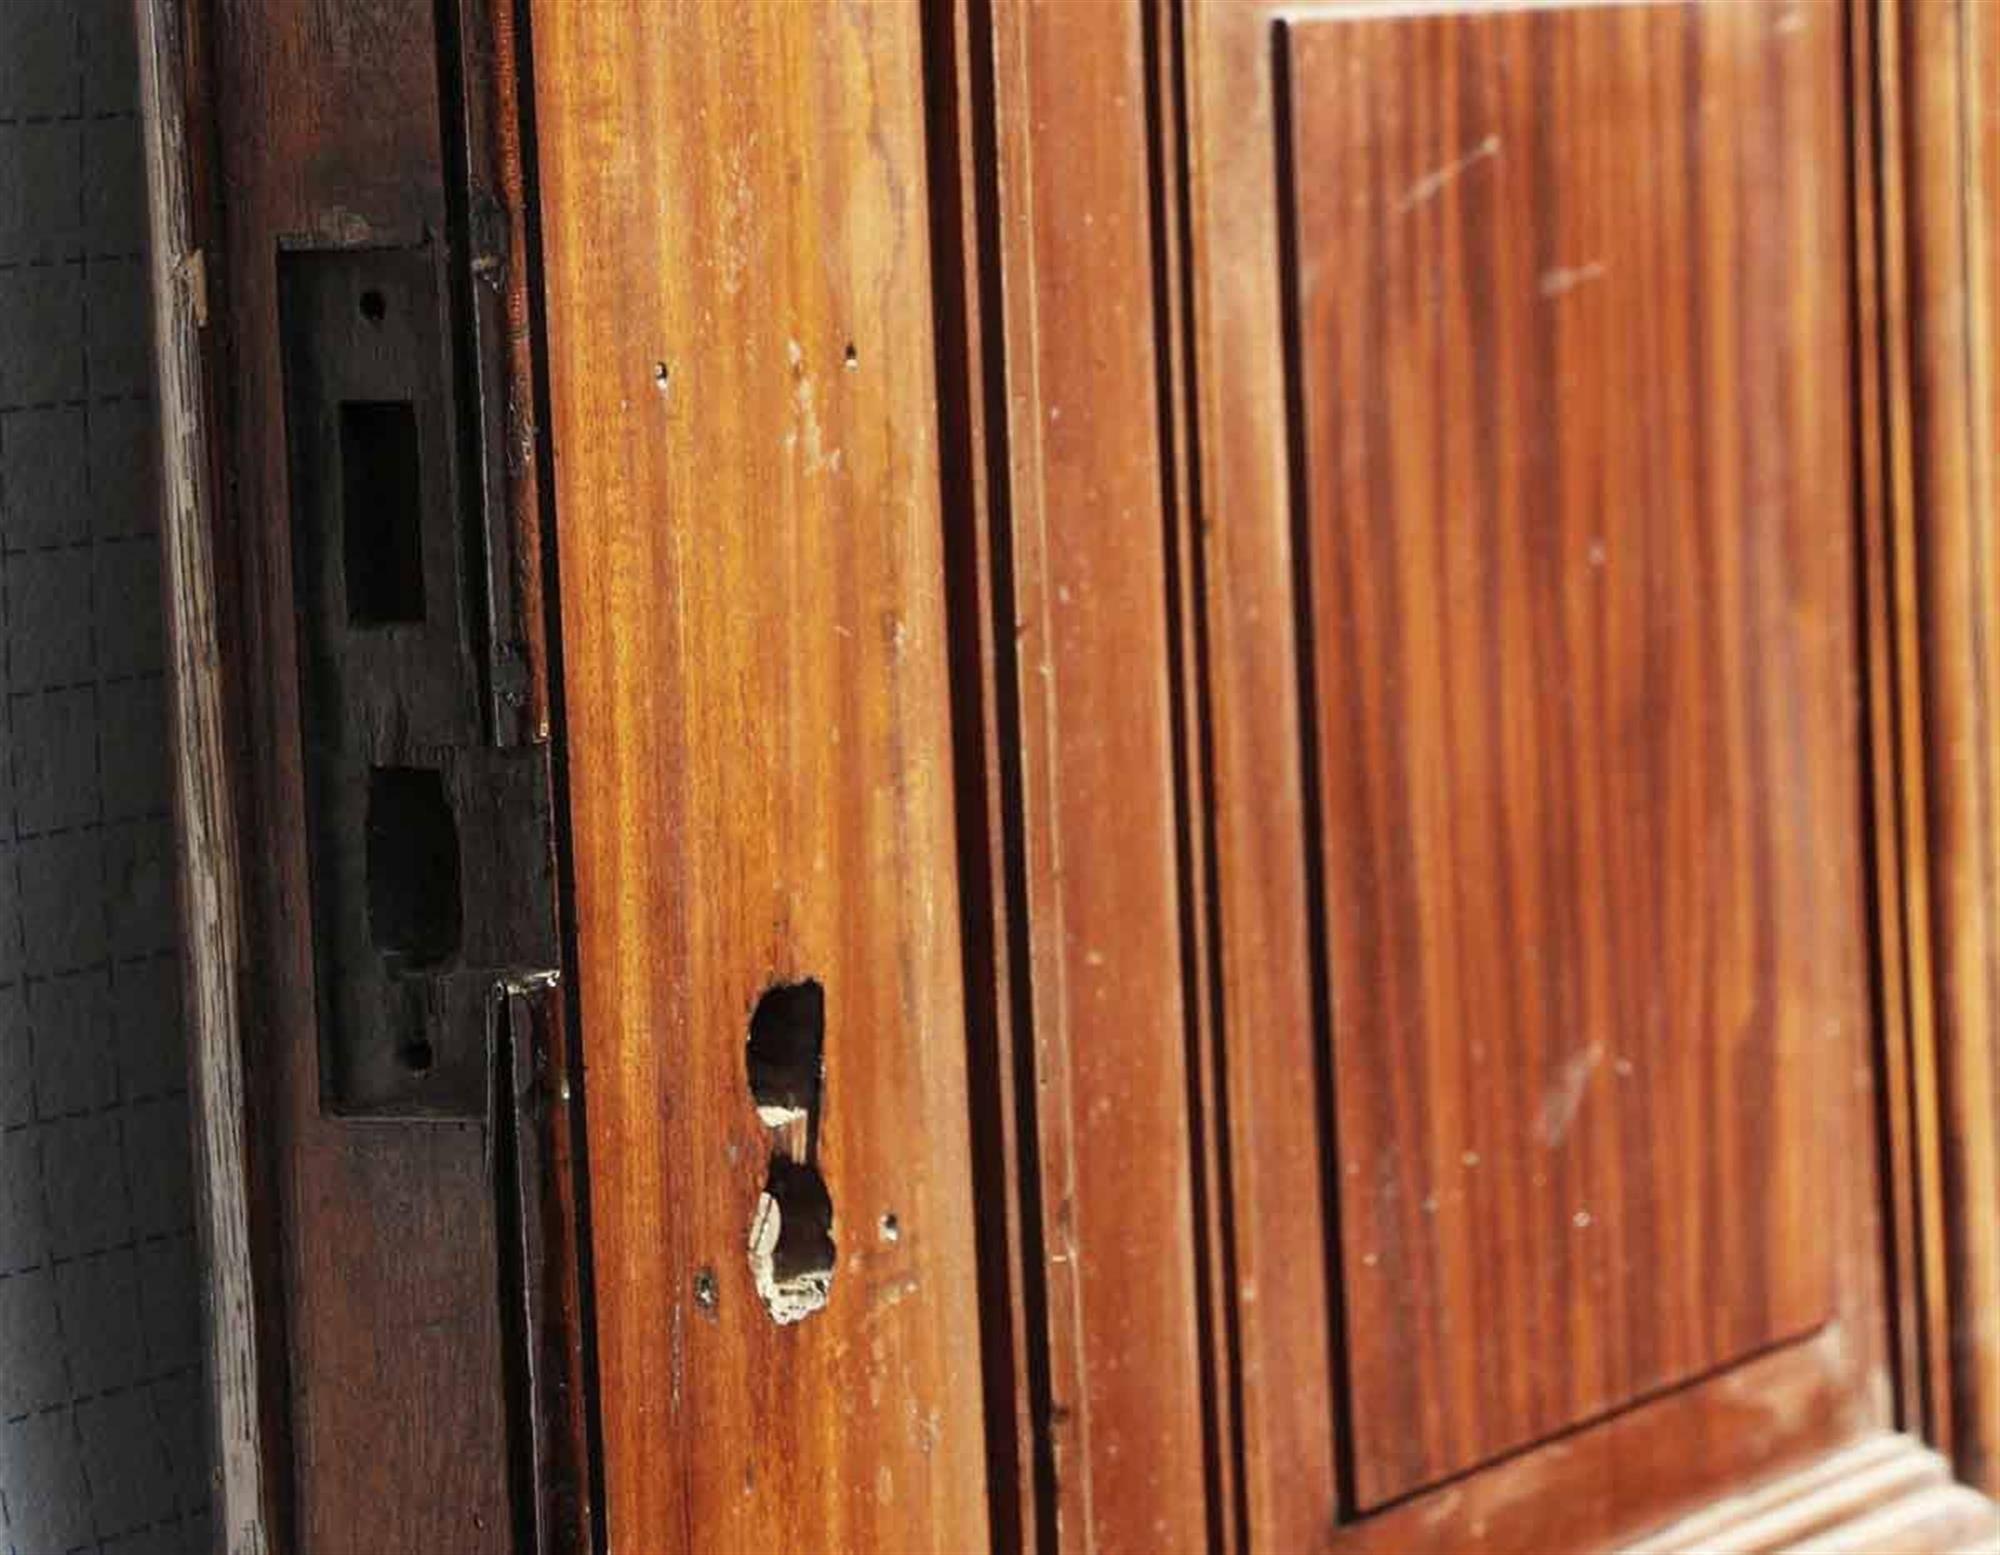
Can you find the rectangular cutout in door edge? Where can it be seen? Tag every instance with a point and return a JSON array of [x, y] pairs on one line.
[[431, 877]]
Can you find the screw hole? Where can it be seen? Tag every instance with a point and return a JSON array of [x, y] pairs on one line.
[[662, 377], [892, 1229], [850, 358], [418, 1056], [374, 306]]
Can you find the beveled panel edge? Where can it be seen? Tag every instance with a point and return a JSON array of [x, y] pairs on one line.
[[1886, 1492]]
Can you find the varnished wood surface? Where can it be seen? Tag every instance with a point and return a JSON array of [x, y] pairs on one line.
[[1768, 186], [1942, 155], [1290, 1436], [1085, 587], [1299, 1477], [1587, 679], [746, 484]]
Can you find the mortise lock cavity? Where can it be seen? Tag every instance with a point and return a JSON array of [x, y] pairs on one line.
[[428, 841]]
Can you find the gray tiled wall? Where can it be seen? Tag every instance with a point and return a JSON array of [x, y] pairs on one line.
[[102, 1436]]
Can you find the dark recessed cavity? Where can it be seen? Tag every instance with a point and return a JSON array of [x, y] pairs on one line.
[[787, 1041], [382, 506], [803, 1254], [414, 904], [374, 306]]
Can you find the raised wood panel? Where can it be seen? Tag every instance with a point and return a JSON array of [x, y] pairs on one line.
[[747, 505], [1573, 362], [1885, 1493], [1637, 1468]]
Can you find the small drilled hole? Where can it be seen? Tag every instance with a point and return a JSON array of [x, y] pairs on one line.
[[663, 377], [418, 1056], [892, 1229], [374, 306], [850, 358]]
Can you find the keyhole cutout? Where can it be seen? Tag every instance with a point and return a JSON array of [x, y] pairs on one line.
[[792, 1251]]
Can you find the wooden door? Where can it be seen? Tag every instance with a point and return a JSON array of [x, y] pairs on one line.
[[1233, 756]]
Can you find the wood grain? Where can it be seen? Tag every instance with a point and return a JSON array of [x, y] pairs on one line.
[[1268, 361], [1634, 1470], [1582, 566], [205, 772], [1088, 591], [326, 133], [1291, 1448], [754, 676], [1942, 154]]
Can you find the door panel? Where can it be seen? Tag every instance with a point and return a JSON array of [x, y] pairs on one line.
[[746, 492], [1516, 372], [1514, 545], [1578, 524]]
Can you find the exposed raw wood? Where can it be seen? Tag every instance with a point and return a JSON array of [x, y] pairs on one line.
[[205, 777]]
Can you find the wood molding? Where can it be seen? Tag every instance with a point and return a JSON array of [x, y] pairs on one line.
[[1083, 663], [1939, 159], [205, 784]]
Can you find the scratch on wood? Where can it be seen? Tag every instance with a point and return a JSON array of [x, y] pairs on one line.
[[1439, 179], [805, 435], [1556, 282], [1565, 1099]]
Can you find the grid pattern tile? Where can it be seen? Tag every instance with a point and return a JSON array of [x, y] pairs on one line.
[[103, 1437]]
